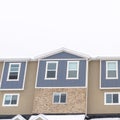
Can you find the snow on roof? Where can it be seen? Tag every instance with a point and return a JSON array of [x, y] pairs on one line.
[[62, 50], [58, 117], [106, 119]]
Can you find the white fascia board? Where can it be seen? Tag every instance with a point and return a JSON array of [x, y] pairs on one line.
[[62, 50]]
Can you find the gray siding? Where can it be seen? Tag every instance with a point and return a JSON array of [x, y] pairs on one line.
[[61, 76], [62, 55], [106, 83], [13, 84]]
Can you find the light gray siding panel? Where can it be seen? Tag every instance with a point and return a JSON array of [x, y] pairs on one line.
[[13, 84], [109, 83], [62, 55], [61, 76]]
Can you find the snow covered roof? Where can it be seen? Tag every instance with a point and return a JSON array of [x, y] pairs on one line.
[[57, 117], [106, 119]]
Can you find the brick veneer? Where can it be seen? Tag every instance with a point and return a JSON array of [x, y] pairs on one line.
[[43, 101]]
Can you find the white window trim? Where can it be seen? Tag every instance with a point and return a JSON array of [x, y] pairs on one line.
[[18, 96], [55, 70], [9, 72], [68, 70], [107, 70], [60, 97], [112, 94]]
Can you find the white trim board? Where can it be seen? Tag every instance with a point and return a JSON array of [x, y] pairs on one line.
[[62, 50]]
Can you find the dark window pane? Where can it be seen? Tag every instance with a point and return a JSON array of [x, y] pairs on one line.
[[115, 98], [63, 98], [7, 102], [51, 66], [14, 99], [72, 74], [13, 75], [108, 98], [111, 73], [50, 74], [56, 98]]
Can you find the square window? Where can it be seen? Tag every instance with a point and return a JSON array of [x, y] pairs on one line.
[[10, 99], [14, 70], [112, 98], [59, 98], [51, 70], [111, 70], [72, 69]]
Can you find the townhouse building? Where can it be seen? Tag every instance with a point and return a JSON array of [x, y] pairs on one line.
[[60, 82], [53, 84], [104, 87], [17, 86]]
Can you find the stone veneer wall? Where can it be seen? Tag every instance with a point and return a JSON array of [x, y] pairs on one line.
[[43, 101]]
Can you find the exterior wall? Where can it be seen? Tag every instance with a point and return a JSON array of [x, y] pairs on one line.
[[95, 100], [13, 84], [61, 80], [1, 68], [109, 83], [26, 96], [76, 101]]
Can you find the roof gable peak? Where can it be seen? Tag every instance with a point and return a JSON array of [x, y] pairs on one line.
[[60, 51]]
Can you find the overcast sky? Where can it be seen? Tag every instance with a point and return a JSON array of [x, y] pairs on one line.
[[31, 28]]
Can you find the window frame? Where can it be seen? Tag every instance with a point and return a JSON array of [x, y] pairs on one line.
[[59, 93], [11, 105], [116, 63], [105, 103], [10, 64], [46, 70], [77, 77]]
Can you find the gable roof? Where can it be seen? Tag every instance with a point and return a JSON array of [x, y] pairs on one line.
[[40, 116], [62, 50], [18, 117]]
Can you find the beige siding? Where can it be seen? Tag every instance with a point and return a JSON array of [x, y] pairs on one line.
[[76, 101], [26, 95], [1, 68], [96, 95]]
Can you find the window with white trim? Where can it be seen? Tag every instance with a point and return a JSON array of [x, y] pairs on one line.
[[14, 70], [51, 70], [72, 69], [10, 100], [111, 70], [112, 98], [59, 98]]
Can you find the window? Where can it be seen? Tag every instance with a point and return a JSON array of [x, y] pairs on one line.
[[51, 70], [111, 70], [10, 100], [72, 69], [112, 98], [14, 70], [59, 98]]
